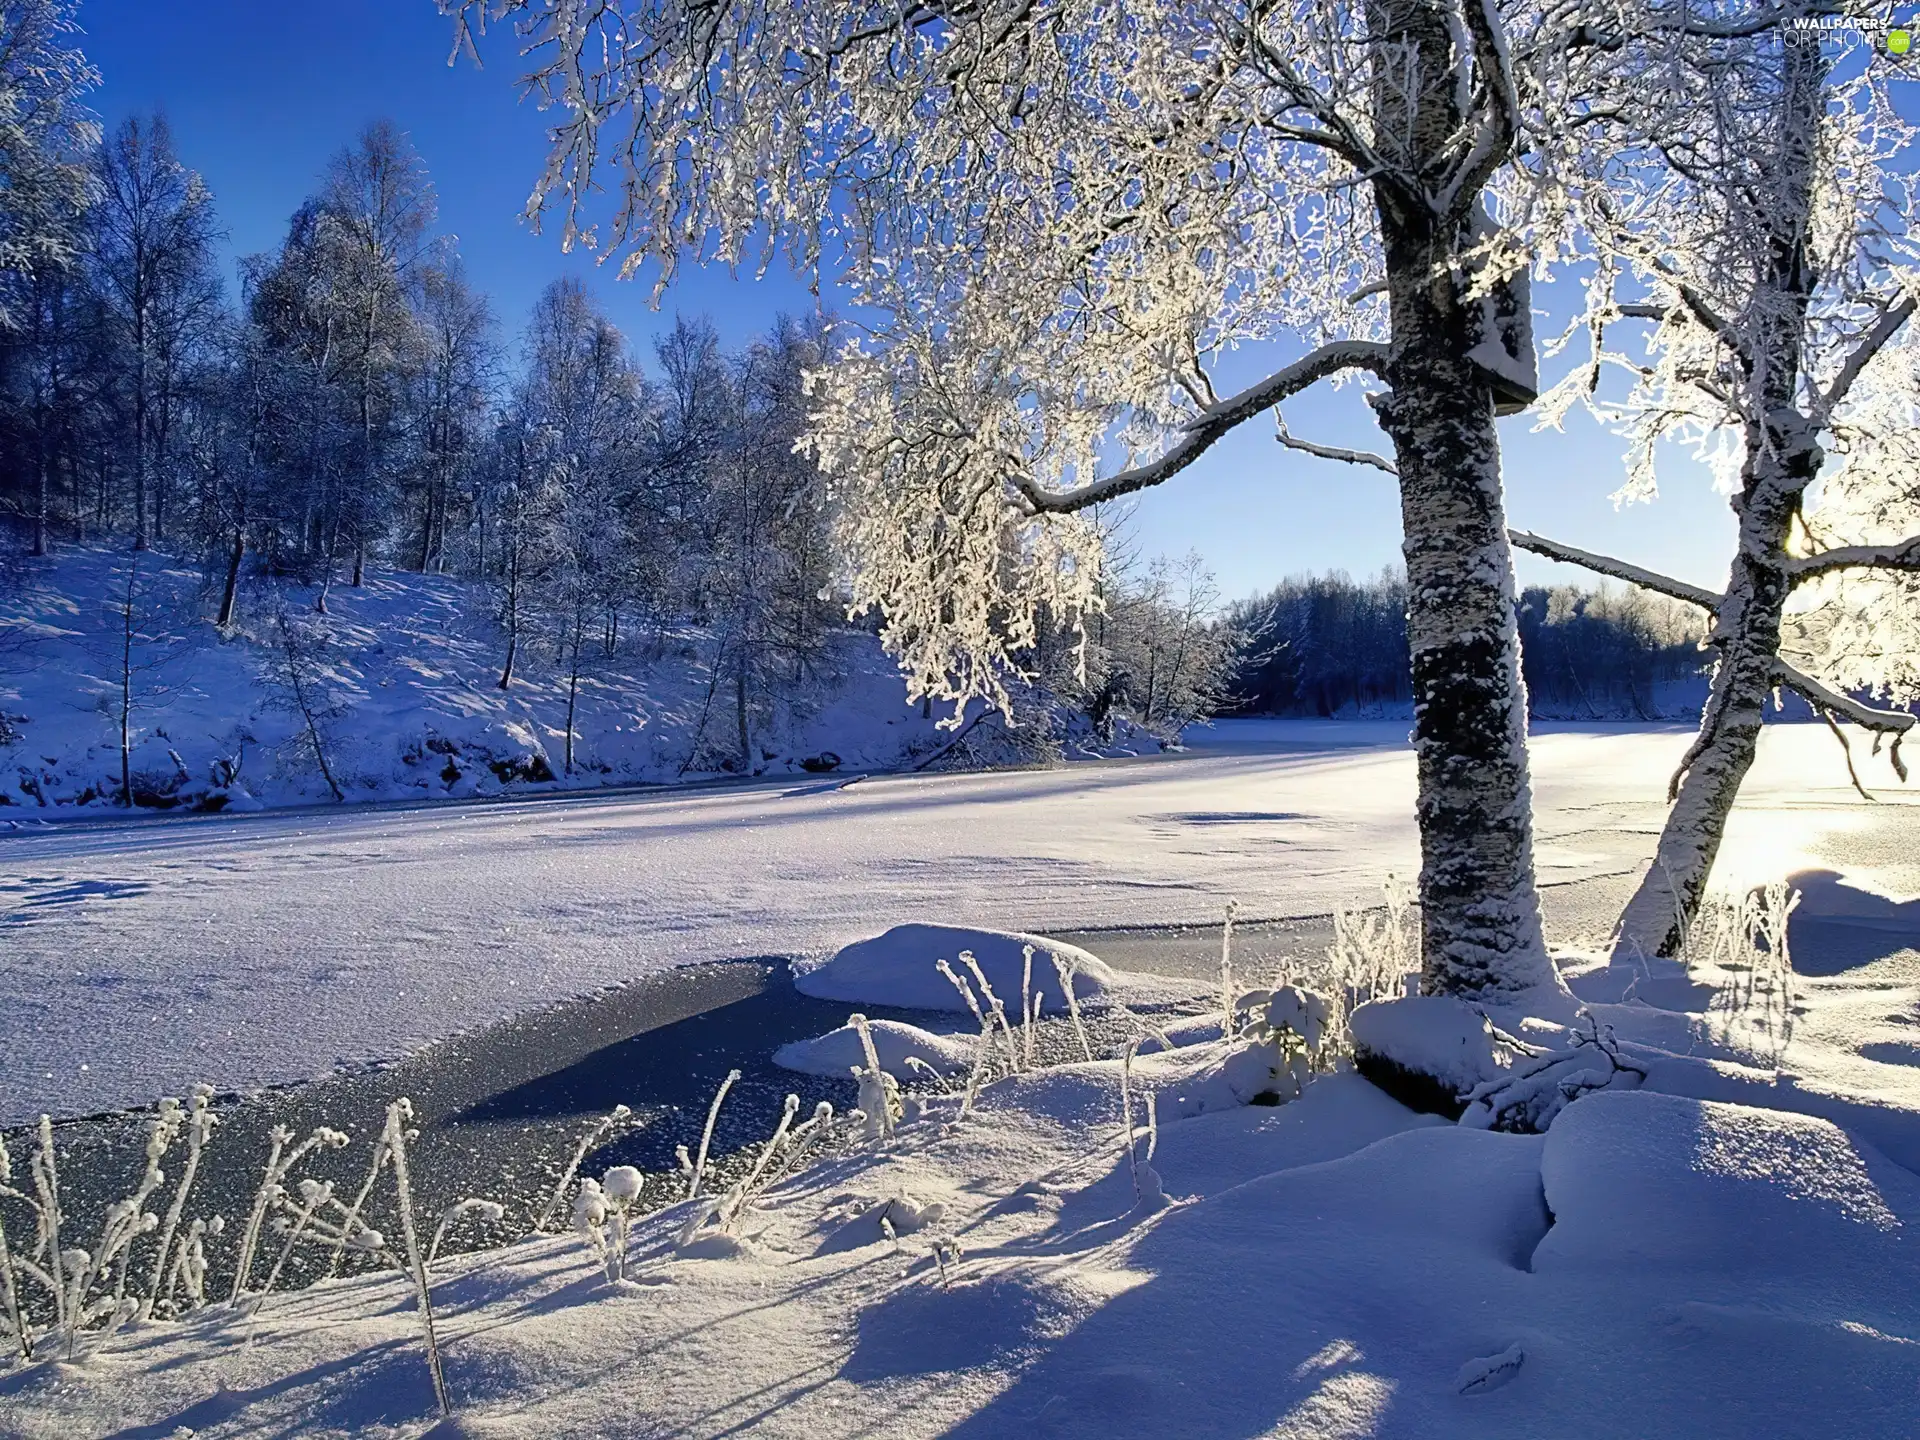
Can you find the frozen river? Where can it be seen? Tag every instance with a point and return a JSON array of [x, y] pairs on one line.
[[139, 957]]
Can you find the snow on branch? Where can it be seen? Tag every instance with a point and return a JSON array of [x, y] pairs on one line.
[[1707, 600], [1199, 434], [1892, 317], [1330, 452], [1686, 20], [1903, 555], [1883, 722]]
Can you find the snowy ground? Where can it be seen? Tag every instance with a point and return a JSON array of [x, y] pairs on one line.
[[1331, 1269], [139, 958]]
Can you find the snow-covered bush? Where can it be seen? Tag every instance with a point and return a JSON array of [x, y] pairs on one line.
[[1739, 944], [1294, 1025], [1427, 1051]]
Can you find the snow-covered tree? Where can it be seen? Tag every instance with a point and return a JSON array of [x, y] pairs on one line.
[[771, 552], [1742, 205], [1060, 214], [1164, 658], [151, 232], [449, 407], [45, 139], [1857, 623], [376, 214]]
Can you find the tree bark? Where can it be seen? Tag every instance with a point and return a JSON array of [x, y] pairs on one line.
[[740, 709], [230, 593], [126, 679], [1481, 935], [1480, 909], [1783, 456], [573, 687], [40, 504], [1747, 633]]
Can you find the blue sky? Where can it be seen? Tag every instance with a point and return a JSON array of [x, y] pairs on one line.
[[260, 95]]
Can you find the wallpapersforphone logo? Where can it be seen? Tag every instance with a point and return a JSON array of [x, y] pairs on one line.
[[1890, 35]]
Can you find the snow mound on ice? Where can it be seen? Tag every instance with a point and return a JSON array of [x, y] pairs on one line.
[[898, 968], [1675, 1184], [838, 1051]]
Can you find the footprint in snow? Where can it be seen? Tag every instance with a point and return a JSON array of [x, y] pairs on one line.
[[1490, 1372]]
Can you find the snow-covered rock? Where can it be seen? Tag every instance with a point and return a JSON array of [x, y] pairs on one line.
[[894, 1042], [1427, 1051], [1643, 1181], [1241, 1076], [901, 968]]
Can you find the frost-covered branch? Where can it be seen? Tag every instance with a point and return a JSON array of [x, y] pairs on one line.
[[1905, 555], [1201, 432], [1331, 452], [1892, 317], [1822, 697], [1618, 569]]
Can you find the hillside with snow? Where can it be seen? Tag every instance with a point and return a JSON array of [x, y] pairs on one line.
[[400, 681]]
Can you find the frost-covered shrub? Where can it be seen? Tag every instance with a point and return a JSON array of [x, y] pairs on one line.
[[1740, 943], [1295, 1023], [603, 1212], [1372, 954]]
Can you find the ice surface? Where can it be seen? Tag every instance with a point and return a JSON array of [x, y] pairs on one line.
[[271, 948]]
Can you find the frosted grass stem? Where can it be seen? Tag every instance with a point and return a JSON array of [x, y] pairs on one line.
[[398, 1113], [1066, 970], [598, 1132], [706, 1135]]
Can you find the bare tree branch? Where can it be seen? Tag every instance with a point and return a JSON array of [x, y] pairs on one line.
[[1892, 317], [1901, 555], [1200, 433], [1707, 600], [1331, 452], [1846, 751]]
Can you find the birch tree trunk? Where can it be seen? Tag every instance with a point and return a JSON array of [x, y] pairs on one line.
[[230, 590], [1783, 456], [1480, 910], [1481, 935], [1748, 634]]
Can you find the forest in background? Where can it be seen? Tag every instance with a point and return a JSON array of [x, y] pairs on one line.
[[357, 405], [1329, 644]]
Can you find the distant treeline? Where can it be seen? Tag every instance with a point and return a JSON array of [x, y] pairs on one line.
[[1324, 644]]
